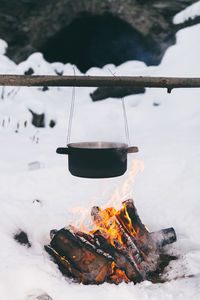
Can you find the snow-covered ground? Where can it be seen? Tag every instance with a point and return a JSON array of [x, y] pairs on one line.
[[189, 12], [166, 129]]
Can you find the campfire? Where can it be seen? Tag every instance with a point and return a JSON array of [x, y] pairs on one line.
[[119, 249]]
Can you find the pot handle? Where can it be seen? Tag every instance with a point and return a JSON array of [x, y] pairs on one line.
[[132, 149], [62, 150]]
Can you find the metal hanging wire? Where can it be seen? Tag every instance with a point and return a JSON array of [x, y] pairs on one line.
[[125, 122], [124, 115], [71, 113], [71, 116]]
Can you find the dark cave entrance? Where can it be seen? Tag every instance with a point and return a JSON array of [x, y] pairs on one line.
[[92, 40]]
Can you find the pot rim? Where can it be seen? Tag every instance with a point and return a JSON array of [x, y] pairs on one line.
[[98, 145]]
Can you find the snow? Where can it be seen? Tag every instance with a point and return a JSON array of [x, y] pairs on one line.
[[189, 12], [166, 192]]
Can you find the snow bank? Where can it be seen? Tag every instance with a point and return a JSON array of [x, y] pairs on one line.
[[189, 12]]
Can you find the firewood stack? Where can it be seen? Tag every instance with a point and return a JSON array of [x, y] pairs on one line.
[[119, 249]]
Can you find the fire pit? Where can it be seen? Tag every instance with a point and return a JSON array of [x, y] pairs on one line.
[[119, 249]]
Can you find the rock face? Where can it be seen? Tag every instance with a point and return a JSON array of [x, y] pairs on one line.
[[102, 93], [27, 25]]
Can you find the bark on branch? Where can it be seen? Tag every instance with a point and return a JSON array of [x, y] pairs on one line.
[[97, 81]]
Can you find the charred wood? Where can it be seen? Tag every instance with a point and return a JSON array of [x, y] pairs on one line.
[[163, 237], [135, 219], [124, 245], [93, 267], [120, 248], [121, 258], [64, 265]]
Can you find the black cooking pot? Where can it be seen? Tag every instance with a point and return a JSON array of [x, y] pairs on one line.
[[97, 159]]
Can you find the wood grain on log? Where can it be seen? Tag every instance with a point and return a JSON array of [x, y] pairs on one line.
[[92, 266], [123, 249], [112, 252], [134, 217]]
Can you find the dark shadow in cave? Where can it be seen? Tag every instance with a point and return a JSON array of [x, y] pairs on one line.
[[93, 40]]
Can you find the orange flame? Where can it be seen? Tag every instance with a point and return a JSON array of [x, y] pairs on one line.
[[118, 275], [125, 190], [108, 222], [121, 192], [108, 225]]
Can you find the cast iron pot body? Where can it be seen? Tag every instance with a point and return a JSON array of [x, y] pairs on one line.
[[97, 159]]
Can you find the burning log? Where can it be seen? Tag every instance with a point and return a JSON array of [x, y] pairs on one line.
[[163, 237], [131, 211], [80, 257], [112, 236], [120, 248]]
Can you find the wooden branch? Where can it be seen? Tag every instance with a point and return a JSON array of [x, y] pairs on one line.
[[97, 81]]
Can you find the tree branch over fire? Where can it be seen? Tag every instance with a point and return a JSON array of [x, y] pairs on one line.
[[97, 81]]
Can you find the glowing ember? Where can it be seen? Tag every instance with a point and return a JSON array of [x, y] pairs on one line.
[[119, 248], [108, 224]]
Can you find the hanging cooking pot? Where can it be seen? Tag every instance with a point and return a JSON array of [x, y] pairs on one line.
[[97, 159]]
